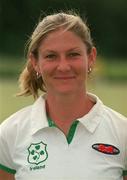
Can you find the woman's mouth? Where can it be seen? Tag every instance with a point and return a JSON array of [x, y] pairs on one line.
[[64, 77]]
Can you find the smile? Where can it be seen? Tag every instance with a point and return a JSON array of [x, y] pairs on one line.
[[65, 78]]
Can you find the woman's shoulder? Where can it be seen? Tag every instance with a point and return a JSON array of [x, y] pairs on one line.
[[107, 113], [113, 114], [22, 117], [115, 120], [16, 118]]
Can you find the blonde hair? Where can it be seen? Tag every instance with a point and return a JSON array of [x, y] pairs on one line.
[[29, 82]]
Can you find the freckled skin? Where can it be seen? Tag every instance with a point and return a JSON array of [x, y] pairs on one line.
[[63, 62]]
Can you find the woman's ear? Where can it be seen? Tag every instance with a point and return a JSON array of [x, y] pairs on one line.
[[92, 57], [34, 62]]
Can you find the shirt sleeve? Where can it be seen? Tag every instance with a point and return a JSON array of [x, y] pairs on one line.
[[125, 170], [125, 158], [6, 162]]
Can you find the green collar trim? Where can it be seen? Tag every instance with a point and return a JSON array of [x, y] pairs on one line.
[[11, 171], [71, 131], [51, 123]]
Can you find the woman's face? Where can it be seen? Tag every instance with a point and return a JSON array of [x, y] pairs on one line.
[[63, 62]]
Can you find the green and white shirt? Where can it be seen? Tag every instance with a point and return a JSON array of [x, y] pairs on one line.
[[33, 147]]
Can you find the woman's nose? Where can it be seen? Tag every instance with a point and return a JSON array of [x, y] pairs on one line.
[[63, 64]]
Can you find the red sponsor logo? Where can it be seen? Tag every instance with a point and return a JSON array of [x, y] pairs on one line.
[[106, 148]]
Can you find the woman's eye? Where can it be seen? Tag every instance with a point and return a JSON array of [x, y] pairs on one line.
[[74, 54], [50, 56]]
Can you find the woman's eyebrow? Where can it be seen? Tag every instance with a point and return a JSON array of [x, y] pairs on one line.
[[49, 51], [73, 49], [55, 51]]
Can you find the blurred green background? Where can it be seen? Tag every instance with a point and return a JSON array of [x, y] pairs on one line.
[[107, 20]]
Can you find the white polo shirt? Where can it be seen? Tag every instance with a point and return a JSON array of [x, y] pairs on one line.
[[33, 148]]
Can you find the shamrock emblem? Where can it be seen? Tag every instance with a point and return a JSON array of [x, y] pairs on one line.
[[37, 153]]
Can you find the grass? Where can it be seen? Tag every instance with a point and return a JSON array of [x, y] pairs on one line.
[[111, 69], [9, 103], [112, 94]]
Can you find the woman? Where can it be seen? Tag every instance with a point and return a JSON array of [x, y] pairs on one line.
[[67, 133]]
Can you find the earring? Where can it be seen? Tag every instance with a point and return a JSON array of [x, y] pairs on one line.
[[38, 75], [89, 70]]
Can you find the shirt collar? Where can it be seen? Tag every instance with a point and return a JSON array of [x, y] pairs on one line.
[[91, 120], [38, 115]]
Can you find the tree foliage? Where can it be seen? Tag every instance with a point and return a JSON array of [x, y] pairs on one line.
[[107, 20]]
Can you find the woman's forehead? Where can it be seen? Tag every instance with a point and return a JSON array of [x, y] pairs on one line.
[[61, 34], [61, 37]]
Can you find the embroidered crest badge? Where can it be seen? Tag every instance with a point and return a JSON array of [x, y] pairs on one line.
[[37, 153]]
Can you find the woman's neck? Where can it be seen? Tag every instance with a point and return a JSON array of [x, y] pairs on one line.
[[64, 110]]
